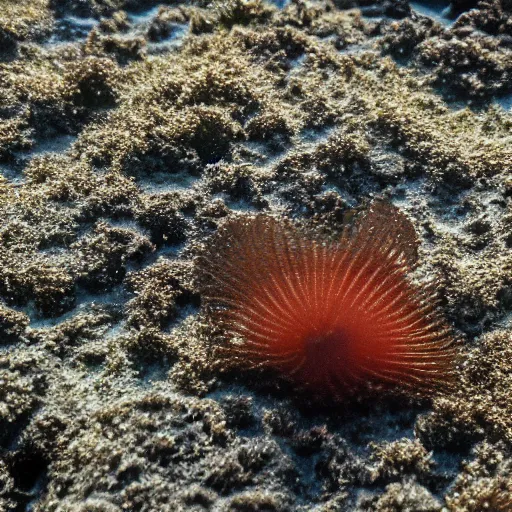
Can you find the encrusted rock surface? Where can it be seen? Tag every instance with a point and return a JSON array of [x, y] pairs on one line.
[[128, 132]]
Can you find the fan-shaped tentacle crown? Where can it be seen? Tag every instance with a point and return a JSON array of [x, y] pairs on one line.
[[328, 314]]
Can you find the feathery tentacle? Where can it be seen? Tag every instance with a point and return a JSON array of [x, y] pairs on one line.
[[324, 313]]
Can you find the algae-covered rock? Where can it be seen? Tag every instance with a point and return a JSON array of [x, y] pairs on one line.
[[12, 324], [409, 496], [25, 20], [129, 132], [486, 374]]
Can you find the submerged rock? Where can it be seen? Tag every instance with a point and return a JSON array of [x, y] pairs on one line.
[[129, 132]]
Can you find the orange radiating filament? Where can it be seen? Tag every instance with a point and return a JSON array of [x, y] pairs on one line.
[[328, 315]]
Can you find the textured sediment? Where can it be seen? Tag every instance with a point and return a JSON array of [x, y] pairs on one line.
[[128, 134]]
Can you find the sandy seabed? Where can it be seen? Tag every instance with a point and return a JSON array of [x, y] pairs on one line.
[[129, 131]]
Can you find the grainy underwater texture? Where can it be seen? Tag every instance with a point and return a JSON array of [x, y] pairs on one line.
[[129, 131]]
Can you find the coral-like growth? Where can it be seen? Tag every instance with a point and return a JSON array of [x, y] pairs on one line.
[[328, 315]]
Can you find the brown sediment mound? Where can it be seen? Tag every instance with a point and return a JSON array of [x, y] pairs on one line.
[[123, 147]]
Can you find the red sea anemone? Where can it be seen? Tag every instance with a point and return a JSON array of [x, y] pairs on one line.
[[328, 315]]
